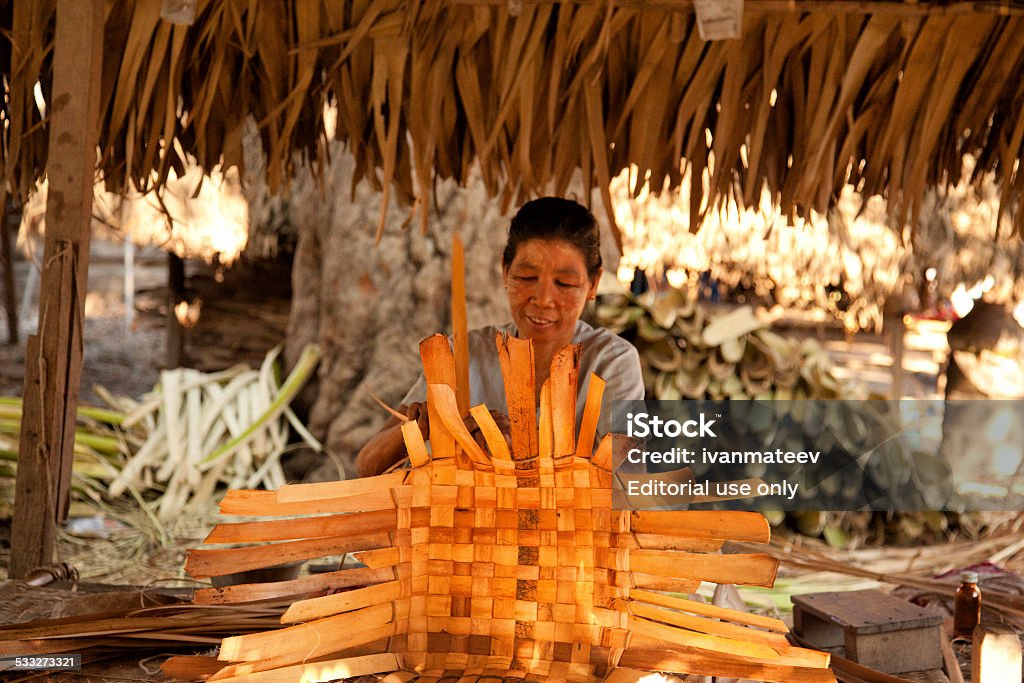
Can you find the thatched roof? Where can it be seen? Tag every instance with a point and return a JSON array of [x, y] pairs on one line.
[[885, 95]]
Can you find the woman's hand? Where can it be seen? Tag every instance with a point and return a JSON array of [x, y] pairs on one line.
[[417, 412], [500, 419], [388, 446]]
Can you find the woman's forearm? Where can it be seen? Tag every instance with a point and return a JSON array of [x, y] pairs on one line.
[[382, 451]]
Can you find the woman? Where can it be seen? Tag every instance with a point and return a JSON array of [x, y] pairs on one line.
[[551, 266]]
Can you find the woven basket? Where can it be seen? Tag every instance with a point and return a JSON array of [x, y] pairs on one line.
[[488, 563]]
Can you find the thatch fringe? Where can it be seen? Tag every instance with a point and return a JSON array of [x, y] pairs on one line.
[[886, 96]]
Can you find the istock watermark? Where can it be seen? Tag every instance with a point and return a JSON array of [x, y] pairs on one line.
[[820, 455]]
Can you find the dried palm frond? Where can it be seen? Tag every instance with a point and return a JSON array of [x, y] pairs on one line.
[[888, 100]]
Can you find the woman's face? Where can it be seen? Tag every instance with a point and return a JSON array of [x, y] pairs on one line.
[[548, 287]]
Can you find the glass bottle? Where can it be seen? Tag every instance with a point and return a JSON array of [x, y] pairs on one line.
[[967, 606]]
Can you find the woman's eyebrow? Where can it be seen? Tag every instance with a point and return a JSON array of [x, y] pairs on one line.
[[567, 271]]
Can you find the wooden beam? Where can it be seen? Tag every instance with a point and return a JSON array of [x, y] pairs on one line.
[[53, 370]]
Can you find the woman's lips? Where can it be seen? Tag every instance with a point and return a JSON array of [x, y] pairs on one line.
[[540, 323]]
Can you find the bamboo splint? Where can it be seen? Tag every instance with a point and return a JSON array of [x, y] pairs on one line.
[[496, 561]]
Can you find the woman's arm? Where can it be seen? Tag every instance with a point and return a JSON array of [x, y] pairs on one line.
[[388, 447]]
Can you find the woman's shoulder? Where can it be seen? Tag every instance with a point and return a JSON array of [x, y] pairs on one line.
[[601, 341], [612, 358], [481, 339], [487, 333]]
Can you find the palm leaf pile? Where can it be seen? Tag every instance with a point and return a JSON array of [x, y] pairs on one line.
[[888, 97], [848, 265], [689, 352]]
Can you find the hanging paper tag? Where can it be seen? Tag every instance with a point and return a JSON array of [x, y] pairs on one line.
[[182, 12], [719, 19]]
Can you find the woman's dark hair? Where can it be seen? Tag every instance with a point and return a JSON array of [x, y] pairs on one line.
[[555, 218]]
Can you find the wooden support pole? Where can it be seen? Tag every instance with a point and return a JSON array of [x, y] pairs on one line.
[[175, 295], [7, 256], [54, 358], [895, 330]]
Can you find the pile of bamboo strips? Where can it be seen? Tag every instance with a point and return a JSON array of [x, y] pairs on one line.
[[194, 432], [206, 429], [98, 636], [493, 562]]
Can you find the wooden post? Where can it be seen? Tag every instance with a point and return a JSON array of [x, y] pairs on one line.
[[175, 295], [8, 259], [54, 358], [895, 329]]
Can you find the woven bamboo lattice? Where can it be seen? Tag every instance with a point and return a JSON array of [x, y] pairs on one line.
[[494, 563]]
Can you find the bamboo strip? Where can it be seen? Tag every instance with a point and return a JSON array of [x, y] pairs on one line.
[[314, 583], [444, 401], [325, 606], [666, 542], [545, 438], [564, 377], [297, 493], [438, 368], [202, 563], [492, 434], [160, 637], [400, 677], [701, 641], [460, 333], [664, 583], [330, 670], [380, 558], [74, 629], [266, 504], [708, 626], [591, 416], [756, 569], [736, 526], [712, 611], [335, 644], [190, 668], [43, 646], [352, 524], [310, 639], [415, 445], [518, 373], [827, 7], [603, 455], [698, 663]]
